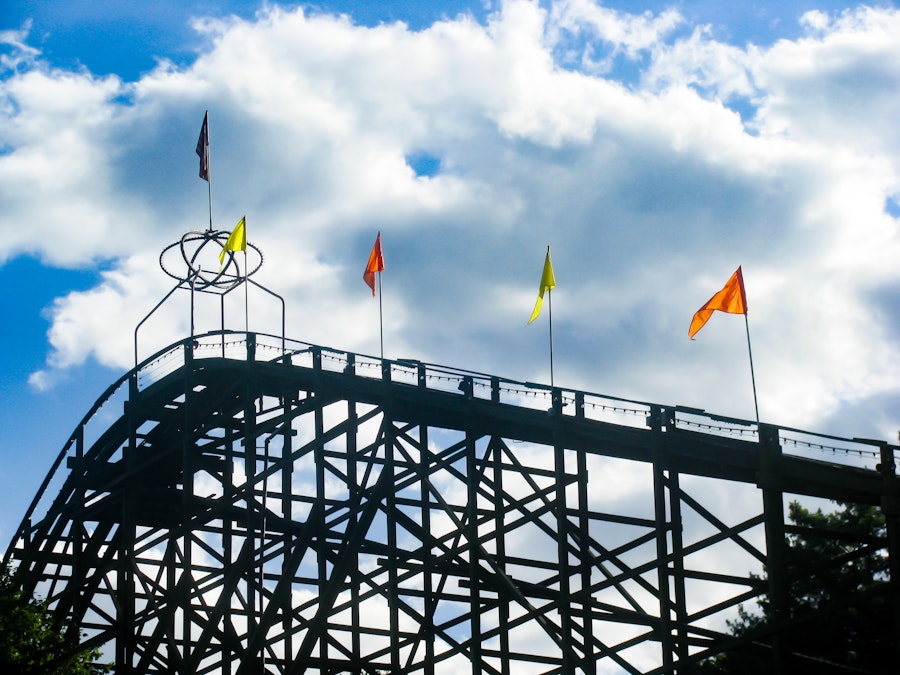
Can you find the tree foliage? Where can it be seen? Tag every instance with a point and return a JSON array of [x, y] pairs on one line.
[[839, 617], [32, 641]]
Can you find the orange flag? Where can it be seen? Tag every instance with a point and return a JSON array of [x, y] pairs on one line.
[[375, 264], [731, 299]]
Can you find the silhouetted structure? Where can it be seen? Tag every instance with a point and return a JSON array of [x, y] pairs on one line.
[[263, 506]]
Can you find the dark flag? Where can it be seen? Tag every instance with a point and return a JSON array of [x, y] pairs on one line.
[[203, 148]]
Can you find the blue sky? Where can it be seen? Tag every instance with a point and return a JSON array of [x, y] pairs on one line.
[[656, 146]]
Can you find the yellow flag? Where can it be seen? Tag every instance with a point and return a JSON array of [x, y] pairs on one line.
[[237, 241], [548, 282]]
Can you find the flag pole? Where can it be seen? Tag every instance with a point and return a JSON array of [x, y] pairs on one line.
[[246, 294], [208, 170], [752, 375], [209, 195], [550, 316], [380, 315]]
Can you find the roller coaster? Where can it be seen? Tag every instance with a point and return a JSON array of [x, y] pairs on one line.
[[244, 503]]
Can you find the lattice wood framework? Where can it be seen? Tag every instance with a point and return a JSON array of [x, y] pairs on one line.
[[315, 511]]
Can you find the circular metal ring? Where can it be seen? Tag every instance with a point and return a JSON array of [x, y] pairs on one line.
[[199, 254]]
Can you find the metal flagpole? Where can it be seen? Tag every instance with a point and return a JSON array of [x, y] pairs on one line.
[[209, 171], [246, 290], [550, 314], [752, 375], [380, 315]]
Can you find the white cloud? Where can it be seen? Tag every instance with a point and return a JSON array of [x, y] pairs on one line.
[[21, 53], [629, 34], [702, 62], [835, 86], [100, 322], [650, 193]]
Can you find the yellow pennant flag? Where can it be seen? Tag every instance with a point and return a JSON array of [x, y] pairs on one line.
[[237, 241], [548, 282]]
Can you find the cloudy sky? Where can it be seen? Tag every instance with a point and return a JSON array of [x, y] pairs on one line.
[[654, 146]]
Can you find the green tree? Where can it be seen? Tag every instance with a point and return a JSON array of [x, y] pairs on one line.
[[31, 641], [839, 617]]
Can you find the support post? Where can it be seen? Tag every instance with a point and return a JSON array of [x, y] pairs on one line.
[[589, 663], [393, 596], [473, 547], [321, 521], [890, 508], [659, 418], [428, 561], [677, 529], [562, 539], [354, 497], [776, 562], [500, 535], [256, 514]]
